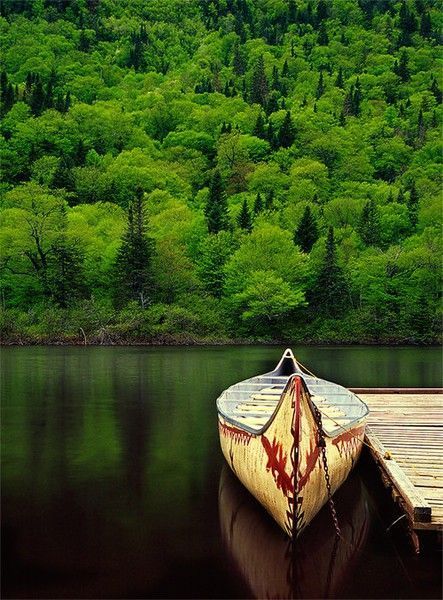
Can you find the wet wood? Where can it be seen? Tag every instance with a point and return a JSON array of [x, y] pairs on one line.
[[405, 435]]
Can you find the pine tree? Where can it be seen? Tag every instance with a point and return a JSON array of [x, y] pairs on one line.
[[401, 67], [271, 136], [357, 98], [436, 91], [285, 69], [238, 61], [259, 128], [259, 88], [292, 12], [425, 25], [64, 274], [339, 82], [244, 218], [342, 119], [322, 38], [369, 224], [214, 253], [306, 234], [216, 210], [258, 204], [329, 292], [83, 43], [320, 86], [400, 197], [286, 134], [67, 103], [413, 205], [322, 12], [421, 128], [269, 200], [80, 153], [134, 258], [37, 100]]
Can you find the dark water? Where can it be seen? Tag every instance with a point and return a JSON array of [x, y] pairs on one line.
[[112, 481]]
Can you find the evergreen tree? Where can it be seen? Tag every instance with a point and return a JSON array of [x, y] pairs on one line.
[[369, 224], [285, 69], [67, 103], [413, 205], [292, 12], [64, 273], [339, 82], [272, 105], [244, 218], [322, 38], [80, 153], [259, 128], [401, 67], [83, 43], [134, 258], [286, 134], [425, 25], [436, 90], [269, 200], [259, 88], [400, 197], [322, 11], [306, 234], [320, 86], [271, 136], [329, 292], [214, 253], [258, 204], [342, 119], [421, 128], [357, 98], [216, 209], [238, 61], [37, 101]]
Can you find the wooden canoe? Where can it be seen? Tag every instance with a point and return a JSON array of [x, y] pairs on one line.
[[269, 435]]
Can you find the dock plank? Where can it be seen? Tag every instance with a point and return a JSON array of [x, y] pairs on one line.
[[405, 434]]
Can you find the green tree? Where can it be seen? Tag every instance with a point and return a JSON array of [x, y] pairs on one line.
[[306, 234], [258, 204], [259, 85], [286, 135], [216, 209], [413, 205], [244, 217], [369, 224], [133, 266], [329, 293]]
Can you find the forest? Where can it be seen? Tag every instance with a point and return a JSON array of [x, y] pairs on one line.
[[211, 171]]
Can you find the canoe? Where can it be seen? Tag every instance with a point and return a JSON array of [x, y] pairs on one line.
[[291, 438], [319, 565]]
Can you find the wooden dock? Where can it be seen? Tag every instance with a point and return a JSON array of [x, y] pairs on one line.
[[405, 436]]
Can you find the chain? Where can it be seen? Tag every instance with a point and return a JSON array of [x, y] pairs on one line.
[[322, 446]]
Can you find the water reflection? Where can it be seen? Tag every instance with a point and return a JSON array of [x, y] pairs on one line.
[[319, 564]]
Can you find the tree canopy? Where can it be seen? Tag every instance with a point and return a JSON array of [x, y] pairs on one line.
[[184, 162]]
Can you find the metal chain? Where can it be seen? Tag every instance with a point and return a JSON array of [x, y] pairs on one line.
[[322, 446]]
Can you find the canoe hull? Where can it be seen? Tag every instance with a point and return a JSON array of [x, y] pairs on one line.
[[281, 465]]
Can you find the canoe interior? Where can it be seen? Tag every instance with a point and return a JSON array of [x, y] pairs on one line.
[[251, 404]]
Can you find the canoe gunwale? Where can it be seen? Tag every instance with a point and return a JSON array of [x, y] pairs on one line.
[[350, 423]]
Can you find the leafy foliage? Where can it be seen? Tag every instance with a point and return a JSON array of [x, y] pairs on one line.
[[249, 126]]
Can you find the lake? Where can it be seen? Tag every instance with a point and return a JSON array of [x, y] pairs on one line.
[[113, 483]]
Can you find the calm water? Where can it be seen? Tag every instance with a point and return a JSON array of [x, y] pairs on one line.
[[113, 483]]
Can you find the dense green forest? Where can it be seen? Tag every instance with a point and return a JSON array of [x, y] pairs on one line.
[[210, 170]]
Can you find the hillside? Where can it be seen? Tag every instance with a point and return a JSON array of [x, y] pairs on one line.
[[185, 170]]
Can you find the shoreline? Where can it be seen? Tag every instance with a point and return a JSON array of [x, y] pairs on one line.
[[176, 342]]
